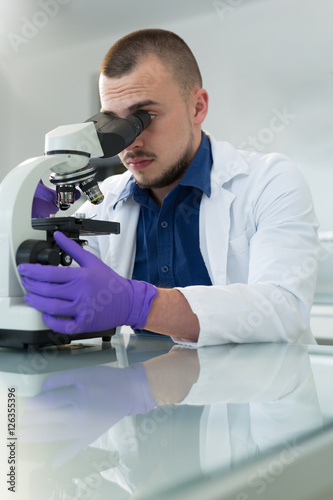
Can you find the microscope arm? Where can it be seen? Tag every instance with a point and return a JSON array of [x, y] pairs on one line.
[[67, 153], [16, 196]]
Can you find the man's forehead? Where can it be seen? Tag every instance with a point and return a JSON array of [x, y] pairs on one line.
[[127, 98], [139, 86], [130, 83]]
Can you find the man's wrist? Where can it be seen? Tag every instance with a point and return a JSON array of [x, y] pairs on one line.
[[171, 314]]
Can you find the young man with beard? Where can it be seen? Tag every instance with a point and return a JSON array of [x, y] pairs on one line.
[[217, 245]]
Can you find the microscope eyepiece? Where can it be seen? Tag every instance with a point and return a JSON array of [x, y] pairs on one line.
[[115, 134]]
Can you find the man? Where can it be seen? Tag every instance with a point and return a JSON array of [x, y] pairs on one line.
[[216, 245]]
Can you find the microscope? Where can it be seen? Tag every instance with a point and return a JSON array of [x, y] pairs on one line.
[[68, 156]]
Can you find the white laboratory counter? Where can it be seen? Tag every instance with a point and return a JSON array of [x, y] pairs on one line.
[[141, 418], [322, 309], [322, 323]]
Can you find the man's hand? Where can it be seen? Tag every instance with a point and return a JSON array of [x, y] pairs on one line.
[[45, 201], [90, 298]]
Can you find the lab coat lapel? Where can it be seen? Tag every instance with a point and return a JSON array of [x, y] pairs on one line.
[[122, 248], [215, 216], [214, 233]]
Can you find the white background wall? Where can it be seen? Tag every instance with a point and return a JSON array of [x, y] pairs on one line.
[[258, 58]]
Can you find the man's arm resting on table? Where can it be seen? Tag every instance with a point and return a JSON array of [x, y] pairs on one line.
[[171, 314], [64, 294]]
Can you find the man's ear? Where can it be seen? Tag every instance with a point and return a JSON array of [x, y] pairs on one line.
[[200, 106]]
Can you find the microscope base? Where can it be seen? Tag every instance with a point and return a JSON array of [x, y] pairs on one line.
[[41, 338], [16, 315]]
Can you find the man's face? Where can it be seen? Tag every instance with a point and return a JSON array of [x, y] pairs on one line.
[[162, 152]]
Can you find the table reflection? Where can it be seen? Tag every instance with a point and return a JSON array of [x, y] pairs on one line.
[[104, 429]]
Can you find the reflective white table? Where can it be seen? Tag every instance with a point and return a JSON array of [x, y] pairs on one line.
[[143, 418]]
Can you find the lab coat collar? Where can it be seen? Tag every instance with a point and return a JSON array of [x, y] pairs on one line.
[[228, 162]]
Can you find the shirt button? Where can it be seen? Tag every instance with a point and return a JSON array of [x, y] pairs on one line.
[[165, 269], [164, 224]]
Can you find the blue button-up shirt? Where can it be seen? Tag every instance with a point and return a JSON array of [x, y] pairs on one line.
[[167, 250]]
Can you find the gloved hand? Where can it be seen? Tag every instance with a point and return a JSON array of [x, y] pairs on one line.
[[78, 406], [45, 201], [92, 297]]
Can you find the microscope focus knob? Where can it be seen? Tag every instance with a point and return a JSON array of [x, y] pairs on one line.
[[37, 252]]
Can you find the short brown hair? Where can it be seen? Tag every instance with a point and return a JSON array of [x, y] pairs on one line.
[[172, 51]]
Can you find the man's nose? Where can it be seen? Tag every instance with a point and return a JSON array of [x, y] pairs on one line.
[[137, 144]]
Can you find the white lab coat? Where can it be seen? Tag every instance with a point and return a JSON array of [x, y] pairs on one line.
[[258, 239]]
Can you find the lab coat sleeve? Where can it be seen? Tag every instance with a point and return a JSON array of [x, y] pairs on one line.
[[273, 303]]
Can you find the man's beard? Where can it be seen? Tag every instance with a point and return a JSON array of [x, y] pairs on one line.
[[174, 173]]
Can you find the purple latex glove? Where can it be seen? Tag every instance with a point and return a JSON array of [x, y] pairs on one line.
[[78, 406], [45, 201], [92, 297]]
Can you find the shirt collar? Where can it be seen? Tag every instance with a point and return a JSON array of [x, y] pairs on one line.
[[126, 192], [196, 176], [198, 173]]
